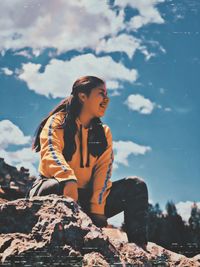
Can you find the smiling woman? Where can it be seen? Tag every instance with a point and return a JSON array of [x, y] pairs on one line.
[[76, 157]]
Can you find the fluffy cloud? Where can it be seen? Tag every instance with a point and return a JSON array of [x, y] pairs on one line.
[[24, 53], [73, 25], [125, 148], [7, 71], [11, 134], [59, 76], [125, 43], [148, 13], [139, 103], [184, 209], [64, 25]]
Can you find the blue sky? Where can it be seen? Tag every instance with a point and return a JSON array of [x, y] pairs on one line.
[[148, 54]]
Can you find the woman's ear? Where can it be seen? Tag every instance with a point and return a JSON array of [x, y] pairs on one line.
[[81, 97]]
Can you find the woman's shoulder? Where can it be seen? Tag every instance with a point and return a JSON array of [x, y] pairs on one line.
[[56, 119], [107, 129]]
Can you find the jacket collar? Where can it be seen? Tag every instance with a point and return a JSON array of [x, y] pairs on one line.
[[79, 123]]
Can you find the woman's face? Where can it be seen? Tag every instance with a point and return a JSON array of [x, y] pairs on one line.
[[97, 102]]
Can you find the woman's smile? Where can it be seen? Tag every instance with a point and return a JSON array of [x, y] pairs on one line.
[[103, 106]]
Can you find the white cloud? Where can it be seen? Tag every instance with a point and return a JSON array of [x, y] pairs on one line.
[[7, 71], [125, 148], [113, 85], [23, 53], [73, 25], [59, 76], [140, 104], [157, 44], [184, 209], [148, 13], [115, 93], [125, 43], [11, 134], [64, 25]]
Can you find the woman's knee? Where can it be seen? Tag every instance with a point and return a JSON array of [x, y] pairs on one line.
[[136, 183]]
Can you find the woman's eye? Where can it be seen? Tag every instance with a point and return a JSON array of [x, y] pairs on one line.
[[103, 94]]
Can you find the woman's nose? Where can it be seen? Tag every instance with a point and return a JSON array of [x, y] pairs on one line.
[[106, 99]]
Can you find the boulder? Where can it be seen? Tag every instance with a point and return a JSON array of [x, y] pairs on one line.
[[54, 231]]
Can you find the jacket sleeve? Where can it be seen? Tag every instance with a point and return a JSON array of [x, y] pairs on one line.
[[101, 177], [52, 143]]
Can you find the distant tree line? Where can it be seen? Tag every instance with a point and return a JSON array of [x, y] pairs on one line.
[[171, 231]]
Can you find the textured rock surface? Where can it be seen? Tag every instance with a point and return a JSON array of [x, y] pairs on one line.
[[14, 183], [54, 231]]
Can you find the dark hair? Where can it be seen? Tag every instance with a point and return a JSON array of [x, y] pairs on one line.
[[72, 106]]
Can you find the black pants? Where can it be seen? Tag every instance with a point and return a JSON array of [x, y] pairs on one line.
[[128, 194]]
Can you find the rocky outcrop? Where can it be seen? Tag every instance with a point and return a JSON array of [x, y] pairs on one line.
[[54, 231], [14, 183]]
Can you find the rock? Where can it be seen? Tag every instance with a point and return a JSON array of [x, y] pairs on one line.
[[94, 259], [54, 231], [13, 183], [197, 258], [158, 255], [49, 229]]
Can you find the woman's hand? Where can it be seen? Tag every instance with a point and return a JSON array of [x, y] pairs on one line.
[[71, 190], [100, 220]]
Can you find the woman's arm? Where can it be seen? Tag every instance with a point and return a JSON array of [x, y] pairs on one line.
[[101, 177], [52, 144], [70, 189]]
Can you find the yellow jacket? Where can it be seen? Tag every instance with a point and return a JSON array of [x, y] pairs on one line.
[[53, 164]]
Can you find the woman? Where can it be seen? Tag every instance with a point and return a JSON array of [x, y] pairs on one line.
[[76, 161]]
